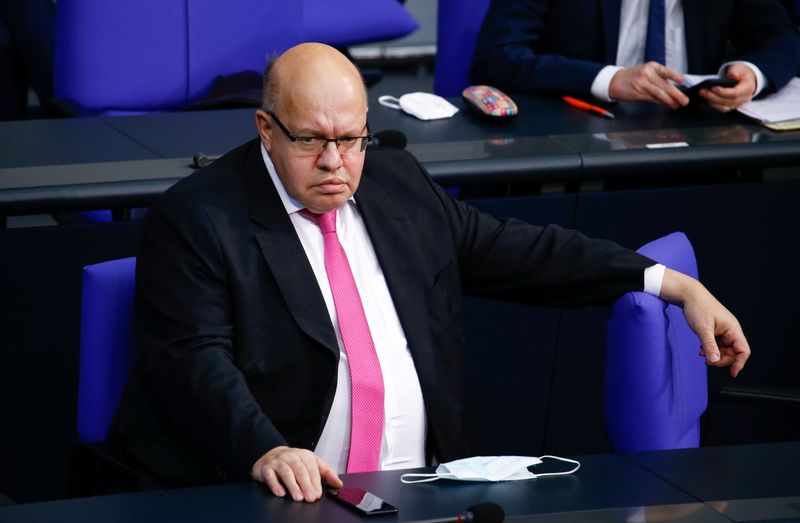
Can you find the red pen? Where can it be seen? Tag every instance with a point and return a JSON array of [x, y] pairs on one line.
[[574, 102]]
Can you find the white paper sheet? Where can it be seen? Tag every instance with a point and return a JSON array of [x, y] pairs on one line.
[[778, 107]]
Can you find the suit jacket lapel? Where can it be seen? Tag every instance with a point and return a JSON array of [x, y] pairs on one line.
[[610, 14], [285, 256], [397, 250]]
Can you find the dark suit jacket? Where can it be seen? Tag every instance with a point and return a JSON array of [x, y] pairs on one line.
[[793, 8], [559, 46], [237, 352]]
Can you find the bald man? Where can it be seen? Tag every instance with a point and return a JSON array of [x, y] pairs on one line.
[[253, 360]]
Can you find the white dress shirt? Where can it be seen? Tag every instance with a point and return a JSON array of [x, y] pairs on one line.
[[404, 428], [633, 39], [404, 425]]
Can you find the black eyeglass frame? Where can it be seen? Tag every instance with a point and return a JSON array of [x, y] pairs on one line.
[[364, 139]]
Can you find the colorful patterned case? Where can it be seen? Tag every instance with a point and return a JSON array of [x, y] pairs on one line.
[[489, 102]]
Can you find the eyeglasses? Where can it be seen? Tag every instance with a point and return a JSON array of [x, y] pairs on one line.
[[314, 145]]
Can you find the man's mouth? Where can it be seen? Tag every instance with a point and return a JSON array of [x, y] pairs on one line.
[[332, 186]]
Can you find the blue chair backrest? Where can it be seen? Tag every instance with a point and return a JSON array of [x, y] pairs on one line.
[[342, 23], [157, 55], [655, 383], [153, 55], [107, 350], [458, 25]]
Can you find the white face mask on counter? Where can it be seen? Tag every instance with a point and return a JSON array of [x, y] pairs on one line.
[[489, 468], [425, 106]]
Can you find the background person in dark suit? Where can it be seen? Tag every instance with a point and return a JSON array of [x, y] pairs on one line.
[[244, 345], [27, 46], [793, 8], [598, 48]]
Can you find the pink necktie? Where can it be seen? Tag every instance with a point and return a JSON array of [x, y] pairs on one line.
[[366, 379]]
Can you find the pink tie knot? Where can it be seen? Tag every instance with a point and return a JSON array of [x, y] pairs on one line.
[[326, 221]]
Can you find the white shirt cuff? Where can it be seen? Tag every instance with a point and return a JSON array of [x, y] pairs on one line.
[[761, 80], [602, 81], [653, 277]]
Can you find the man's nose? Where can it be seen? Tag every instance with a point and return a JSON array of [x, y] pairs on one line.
[[330, 158]]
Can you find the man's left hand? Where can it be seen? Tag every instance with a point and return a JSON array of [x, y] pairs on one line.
[[726, 99], [721, 337]]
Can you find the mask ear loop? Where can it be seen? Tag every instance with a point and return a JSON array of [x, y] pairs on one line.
[[566, 460], [428, 477], [389, 101]]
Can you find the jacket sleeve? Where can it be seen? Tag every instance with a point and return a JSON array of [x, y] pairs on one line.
[[764, 35], [538, 265], [184, 331], [506, 53]]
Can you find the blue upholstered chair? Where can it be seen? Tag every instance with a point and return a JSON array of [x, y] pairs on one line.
[[352, 22], [151, 55], [106, 357], [655, 382], [458, 25], [159, 55], [107, 350]]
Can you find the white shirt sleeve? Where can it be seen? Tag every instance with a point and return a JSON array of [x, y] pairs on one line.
[[653, 278], [761, 80], [602, 81]]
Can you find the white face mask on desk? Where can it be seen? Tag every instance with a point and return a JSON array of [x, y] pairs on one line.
[[425, 106], [488, 468]]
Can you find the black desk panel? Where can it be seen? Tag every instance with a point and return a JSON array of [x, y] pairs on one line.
[[144, 507], [643, 151], [95, 185], [511, 349], [549, 141], [760, 510], [539, 158], [731, 472], [175, 135], [216, 132], [552, 141], [55, 142], [647, 487], [679, 513], [602, 482], [542, 116]]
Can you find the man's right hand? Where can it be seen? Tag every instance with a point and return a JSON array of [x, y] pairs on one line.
[[648, 83], [298, 471]]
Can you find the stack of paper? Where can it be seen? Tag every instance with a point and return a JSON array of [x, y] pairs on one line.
[[779, 111]]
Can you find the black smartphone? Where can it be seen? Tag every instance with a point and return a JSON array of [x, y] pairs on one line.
[[362, 501], [693, 92]]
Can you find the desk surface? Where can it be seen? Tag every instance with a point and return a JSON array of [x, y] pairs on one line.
[[51, 165], [66, 141], [604, 481], [606, 488], [734, 472], [215, 132]]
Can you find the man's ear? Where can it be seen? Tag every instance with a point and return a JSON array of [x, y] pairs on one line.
[[265, 127]]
